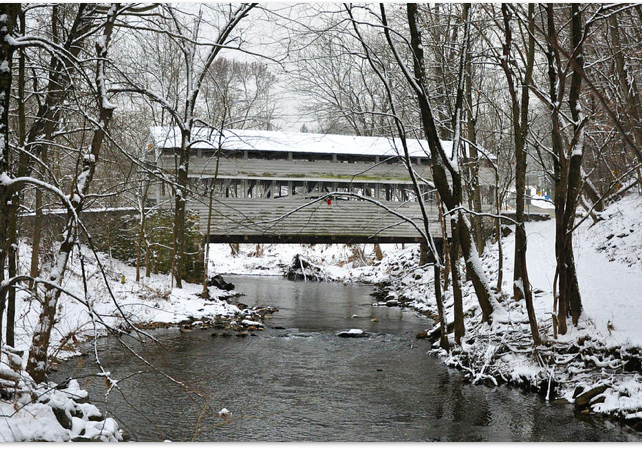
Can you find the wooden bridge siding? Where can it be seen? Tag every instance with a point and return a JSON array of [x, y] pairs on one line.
[[262, 220], [300, 170], [280, 168]]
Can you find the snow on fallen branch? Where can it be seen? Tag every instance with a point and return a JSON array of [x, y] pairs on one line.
[[302, 268]]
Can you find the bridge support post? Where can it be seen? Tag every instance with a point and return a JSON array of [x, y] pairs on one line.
[[423, 253], [426, 256]]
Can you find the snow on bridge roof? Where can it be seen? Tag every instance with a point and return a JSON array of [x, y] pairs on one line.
[[285, 141]]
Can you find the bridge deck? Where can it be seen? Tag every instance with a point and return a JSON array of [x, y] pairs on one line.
[[243, 220]]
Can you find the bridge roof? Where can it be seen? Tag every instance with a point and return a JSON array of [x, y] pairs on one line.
[[285, 141]]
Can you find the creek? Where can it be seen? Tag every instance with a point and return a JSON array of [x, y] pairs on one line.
[[298, 381]]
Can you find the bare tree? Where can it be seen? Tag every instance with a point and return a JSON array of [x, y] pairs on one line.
[[240, 94], [184, 113], [32, 144], [628, 90], [344, 92], [442, 165], [520, 121], [36, 364], [567, 159], [381, 72], [8, 18]]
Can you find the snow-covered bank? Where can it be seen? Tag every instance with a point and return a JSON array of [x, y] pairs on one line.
[[49, 412]]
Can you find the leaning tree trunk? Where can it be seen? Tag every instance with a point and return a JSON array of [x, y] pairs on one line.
[[37, 361], [451, 195]]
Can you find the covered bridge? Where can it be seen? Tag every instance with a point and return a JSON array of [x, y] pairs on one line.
[[272, 186]]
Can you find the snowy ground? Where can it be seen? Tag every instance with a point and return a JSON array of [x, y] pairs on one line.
[[610, 268], [596, 365]]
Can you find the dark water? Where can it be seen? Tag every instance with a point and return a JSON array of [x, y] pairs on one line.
[[303, 383]]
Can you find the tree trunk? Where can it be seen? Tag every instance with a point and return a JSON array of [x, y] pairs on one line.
[[451, 196], [48, 115], [445, 244], [8, 16], [180, 210], [519, 110], [37, 361], [12, 269], [458, 306], [628, 89], [35, 240], [428, 240], [443, 327], [15, 201], [206, 258], [474, 193], [567, 168], [141, 233], [575, 162]]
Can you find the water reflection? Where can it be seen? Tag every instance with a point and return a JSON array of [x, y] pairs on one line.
[[302, 383]]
